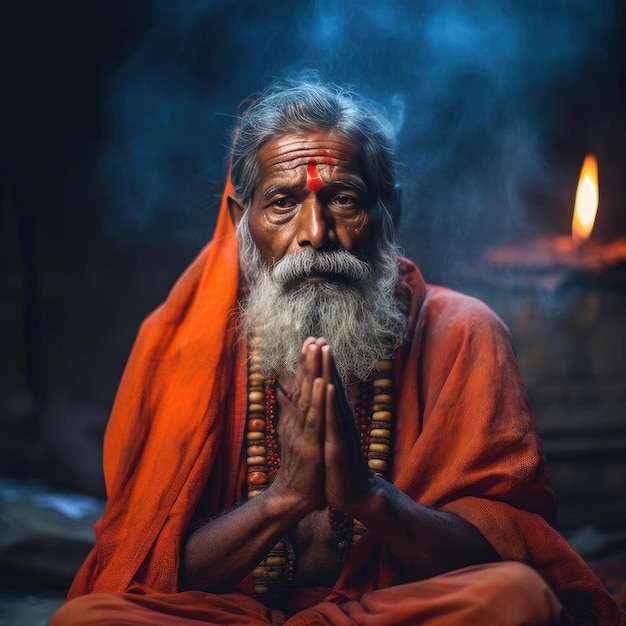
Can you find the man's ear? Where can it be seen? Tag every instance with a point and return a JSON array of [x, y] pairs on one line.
[[235, 208]]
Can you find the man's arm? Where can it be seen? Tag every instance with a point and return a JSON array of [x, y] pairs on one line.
[[424, 542], [322, 464], [223, 551]]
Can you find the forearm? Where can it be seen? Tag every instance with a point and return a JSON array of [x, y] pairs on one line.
[[222, 552], [423, 541]]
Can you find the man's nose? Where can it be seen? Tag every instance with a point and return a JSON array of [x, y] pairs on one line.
[[316, 227]]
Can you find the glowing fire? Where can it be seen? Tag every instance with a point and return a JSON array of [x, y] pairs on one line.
[[587, 197]]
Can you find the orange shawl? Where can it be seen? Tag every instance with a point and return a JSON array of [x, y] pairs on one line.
[[464, 441]]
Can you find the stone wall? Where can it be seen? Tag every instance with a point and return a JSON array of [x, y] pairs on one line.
[[571, 346]]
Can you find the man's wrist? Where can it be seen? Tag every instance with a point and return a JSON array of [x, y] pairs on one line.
[[373, 501], [278, 503]]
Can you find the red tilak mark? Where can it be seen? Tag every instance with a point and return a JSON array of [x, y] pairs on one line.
[[327, 160], [314, 181]]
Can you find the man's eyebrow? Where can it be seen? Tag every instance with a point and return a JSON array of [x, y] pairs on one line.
[[273, 190], [352, 183]]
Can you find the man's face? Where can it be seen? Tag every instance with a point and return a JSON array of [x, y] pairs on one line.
[[310, 195], [308, 259]]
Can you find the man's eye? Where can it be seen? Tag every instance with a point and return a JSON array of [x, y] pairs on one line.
[[344, 200], [283, 203]]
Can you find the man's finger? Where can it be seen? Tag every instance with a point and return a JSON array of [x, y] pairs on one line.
[[309, 370], [315, 414], [334, 426], [328, 364]]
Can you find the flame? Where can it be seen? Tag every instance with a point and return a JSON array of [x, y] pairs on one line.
[[587, 197]]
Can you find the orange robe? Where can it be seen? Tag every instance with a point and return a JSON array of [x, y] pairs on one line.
[[464, 442], [497, 594]]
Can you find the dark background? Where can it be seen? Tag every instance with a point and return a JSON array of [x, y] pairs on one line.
[[116, 119]]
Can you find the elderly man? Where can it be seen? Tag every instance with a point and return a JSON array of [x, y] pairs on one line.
[[346, 446]]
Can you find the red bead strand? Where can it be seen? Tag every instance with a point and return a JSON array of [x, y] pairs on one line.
[[373, 416]]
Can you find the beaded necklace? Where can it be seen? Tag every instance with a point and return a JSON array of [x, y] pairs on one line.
[[374, 417]]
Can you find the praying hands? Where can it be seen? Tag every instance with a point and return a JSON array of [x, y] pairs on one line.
[[322, 461]]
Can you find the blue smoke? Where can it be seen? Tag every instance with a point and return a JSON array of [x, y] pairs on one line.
[[475, 92]]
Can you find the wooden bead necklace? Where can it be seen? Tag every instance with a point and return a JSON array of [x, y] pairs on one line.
[[374, 418]]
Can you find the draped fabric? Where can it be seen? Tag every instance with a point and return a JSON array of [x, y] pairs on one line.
[[497, 594], [464, 440]]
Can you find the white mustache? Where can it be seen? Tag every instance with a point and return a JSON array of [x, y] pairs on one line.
[[294, 267]]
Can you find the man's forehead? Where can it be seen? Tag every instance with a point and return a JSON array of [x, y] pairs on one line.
[[293, 150]]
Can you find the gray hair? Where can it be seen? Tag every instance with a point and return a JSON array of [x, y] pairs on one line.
[[305, 106]]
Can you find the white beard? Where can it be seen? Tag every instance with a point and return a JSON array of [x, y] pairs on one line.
[[356, 311]]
